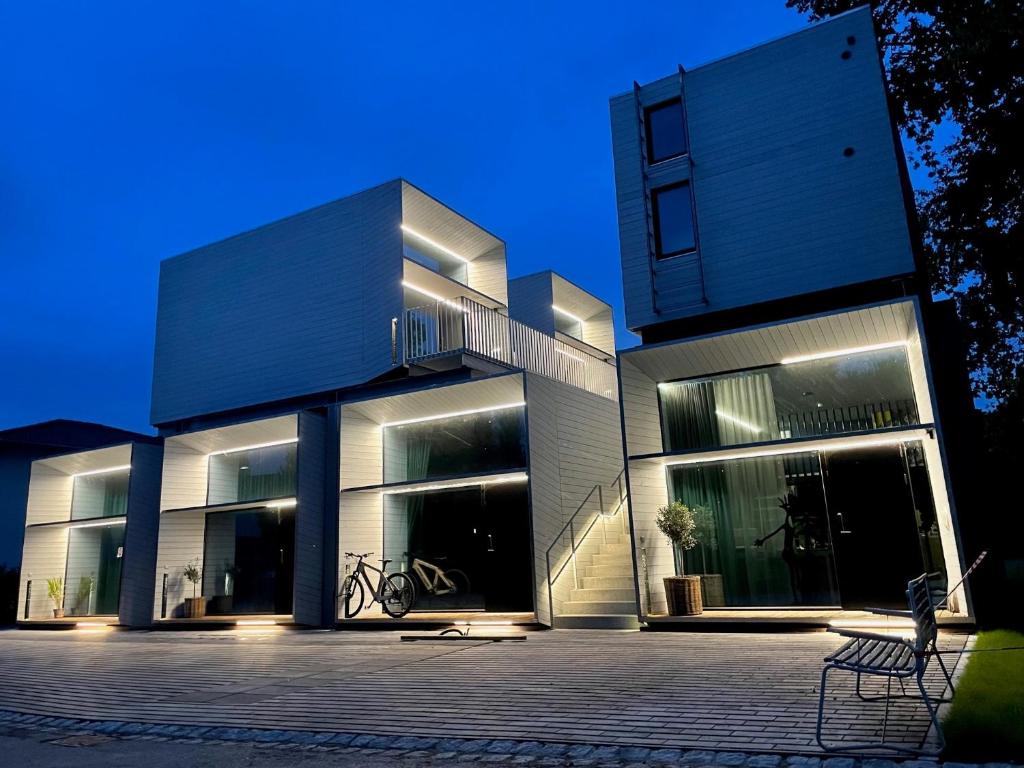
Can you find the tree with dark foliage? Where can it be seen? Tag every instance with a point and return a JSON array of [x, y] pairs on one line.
[[957, 69]]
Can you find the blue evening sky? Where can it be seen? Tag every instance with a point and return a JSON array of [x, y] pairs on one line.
[[133, 131]]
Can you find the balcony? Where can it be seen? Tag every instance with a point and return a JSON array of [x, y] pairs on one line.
[[460, 326]]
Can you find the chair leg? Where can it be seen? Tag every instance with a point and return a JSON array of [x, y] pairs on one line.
[[933, 713], [945, 672], [821, 710], [888, 700]]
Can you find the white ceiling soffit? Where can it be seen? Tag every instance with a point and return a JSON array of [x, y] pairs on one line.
[[234, 436], [767, 345], [436, 401], [432, 219], [90, 461], [418, 276], [572, 298]]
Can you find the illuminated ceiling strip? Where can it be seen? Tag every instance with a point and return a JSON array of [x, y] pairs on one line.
[[841, 352], [96, 523], [271, 444], [568, 314], [255, 623], [519, 477], [433, 243], [122, 468], [817, 445], [282, 504], [436, 297], [737, 421], [454, 414]]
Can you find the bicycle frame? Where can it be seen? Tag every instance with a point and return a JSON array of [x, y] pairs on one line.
[[376, 593], [433, 582]]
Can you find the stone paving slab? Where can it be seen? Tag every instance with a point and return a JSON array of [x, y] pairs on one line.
[[673, 694]]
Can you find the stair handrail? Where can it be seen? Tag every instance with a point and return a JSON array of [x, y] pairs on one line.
[[571, 528]]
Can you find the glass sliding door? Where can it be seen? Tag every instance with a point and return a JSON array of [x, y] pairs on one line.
[[248, 561], [92, 581], [763, 531], [849, 393], [483, 532]]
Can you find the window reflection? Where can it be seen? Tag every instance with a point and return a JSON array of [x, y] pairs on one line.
[[104, 494], [92, 581], [253, 475]]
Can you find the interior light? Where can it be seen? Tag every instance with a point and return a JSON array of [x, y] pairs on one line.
[[121, 468], [841, 352], [518, 477], [737, 421], [453, 414], [271, 444], [433, 244], [568, 314], [832, 444]]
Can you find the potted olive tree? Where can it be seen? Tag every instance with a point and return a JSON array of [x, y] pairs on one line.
[[55, 591], [682, 593], [195, 606]]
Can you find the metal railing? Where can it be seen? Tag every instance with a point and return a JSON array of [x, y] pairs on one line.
[[462, 325], [579, 528]]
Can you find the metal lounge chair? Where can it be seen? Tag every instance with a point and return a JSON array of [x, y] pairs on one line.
[[895, 658]]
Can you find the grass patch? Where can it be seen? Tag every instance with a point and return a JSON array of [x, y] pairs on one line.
[[986, 719]]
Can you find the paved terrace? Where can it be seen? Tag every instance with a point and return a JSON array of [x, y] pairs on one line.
[[659, 690]]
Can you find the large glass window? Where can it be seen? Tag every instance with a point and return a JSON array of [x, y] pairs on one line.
[[763, 531], [101, 494], [666, 136], [92, 581], [491, 441], [851, 393], [673, 220], [814, 528], [252, 475], [479, 537], [569, 325], [436, 261], [249, 561]]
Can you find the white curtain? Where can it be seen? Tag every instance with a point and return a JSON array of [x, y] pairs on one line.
[[745, 409]]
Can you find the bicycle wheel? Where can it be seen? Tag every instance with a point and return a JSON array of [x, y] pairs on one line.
[[399, 595], [459, 579], [351, 596]]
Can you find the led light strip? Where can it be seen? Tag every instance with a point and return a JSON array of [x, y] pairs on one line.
[[519, 477], [282, 504], [568, 314], [96, 523], [121, 468], [255, 623], [841, 352], [271, 444], [436, 297], [433, 244], [454, 414], [831, 444]]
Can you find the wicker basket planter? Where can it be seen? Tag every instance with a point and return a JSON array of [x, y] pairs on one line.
[[683, 595], [712, 589], [195, 607]]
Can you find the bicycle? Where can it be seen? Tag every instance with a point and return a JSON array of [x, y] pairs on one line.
[[395, 592], [440, 582]]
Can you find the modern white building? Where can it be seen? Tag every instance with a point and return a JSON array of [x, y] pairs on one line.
[[784, 388], [363, 378]]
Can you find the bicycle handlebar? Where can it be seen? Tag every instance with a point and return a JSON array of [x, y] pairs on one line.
[[364, 555]]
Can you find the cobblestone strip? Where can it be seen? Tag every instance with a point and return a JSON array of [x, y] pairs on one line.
[[445, 751]]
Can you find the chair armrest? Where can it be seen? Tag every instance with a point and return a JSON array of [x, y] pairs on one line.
[[890, 612], [858, 634]]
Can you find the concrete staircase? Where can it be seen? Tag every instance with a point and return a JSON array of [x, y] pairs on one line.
[[606, 595]]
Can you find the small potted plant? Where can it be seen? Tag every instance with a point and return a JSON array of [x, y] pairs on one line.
[[682, 592], [195, 606], [55, 591]]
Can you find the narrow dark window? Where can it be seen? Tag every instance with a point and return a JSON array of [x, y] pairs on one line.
[[666, 137], [673, 220]]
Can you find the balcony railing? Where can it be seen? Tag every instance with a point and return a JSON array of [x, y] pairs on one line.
[[461, 325]]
